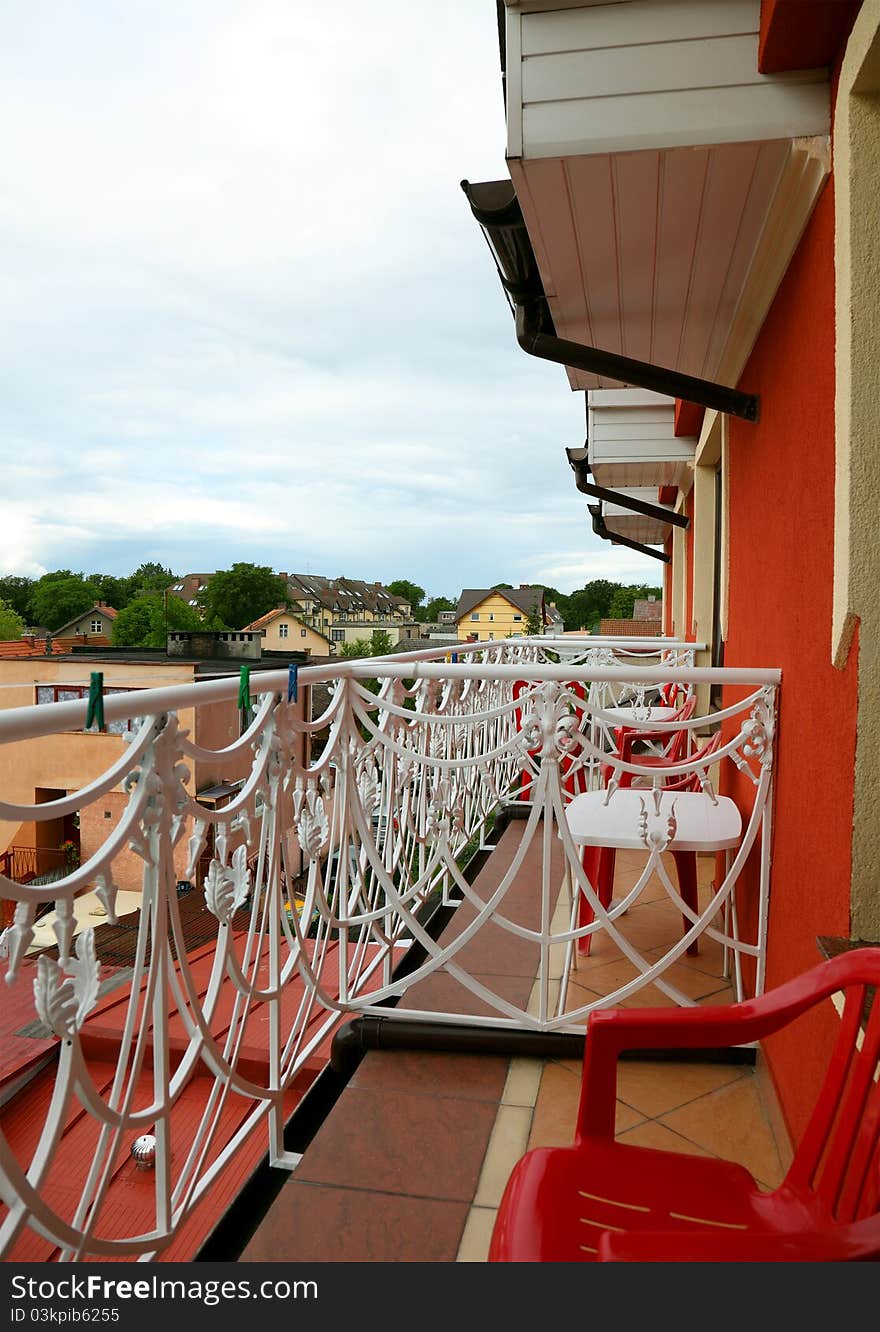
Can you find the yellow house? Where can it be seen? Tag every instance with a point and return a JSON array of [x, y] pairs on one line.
[[487, 614], [283, 631]]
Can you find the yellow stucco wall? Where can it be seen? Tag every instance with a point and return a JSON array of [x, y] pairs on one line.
[[300, 637], [497, 619], [857, 490]]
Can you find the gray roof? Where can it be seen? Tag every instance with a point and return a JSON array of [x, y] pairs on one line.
[[523, 598]]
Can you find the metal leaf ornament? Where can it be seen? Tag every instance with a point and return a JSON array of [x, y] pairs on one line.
[[64, 996]]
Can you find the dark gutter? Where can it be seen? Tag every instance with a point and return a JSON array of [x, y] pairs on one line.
[[616, 540], [660, 512], [495, 206]]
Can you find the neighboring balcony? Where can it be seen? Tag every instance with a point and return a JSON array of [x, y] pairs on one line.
[[446, 904]]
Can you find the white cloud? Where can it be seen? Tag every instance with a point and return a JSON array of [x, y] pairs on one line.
[[247, 312]]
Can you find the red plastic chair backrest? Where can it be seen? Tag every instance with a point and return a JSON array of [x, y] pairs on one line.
[[690, 781], [838, 1157]]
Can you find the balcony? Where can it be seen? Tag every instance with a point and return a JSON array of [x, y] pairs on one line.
[[440, 911], [631, 441]]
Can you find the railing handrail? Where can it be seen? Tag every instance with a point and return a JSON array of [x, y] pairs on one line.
[[41, 719]]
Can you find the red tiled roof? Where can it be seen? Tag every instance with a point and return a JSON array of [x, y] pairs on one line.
[[626, 628], [20, 647]]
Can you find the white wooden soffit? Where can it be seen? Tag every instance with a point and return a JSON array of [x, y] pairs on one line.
[[666, 239]]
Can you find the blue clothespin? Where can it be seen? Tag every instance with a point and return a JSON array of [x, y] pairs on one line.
[[292, 687]]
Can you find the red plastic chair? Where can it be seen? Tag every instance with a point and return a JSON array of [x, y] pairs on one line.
[[599, 861], [670, 744], [603, 1201], [572, 780]]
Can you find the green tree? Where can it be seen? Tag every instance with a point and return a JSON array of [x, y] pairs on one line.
[[142, 623], [111, 590], [625, 597], [148, 577], [380, 643], [16, 592], [589, 604], [240, 595], [358, 647], [500, 587], [411, 592], [435, 606], [59, 596], [11, 623], [534, 623]]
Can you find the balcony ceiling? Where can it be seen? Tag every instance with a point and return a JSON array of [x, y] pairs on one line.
[[635, 526], [631, 441]]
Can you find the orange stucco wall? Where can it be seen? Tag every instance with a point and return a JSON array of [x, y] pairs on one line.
[[781, 568]]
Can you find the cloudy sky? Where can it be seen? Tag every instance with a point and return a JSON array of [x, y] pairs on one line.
[[247, 314]]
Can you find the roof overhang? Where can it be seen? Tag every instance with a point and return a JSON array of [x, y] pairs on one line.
[[664, 182]]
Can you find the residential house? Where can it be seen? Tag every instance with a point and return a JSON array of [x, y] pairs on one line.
[[347, 609], [98, 621], [188, 587], [486, 614], [282, 631]]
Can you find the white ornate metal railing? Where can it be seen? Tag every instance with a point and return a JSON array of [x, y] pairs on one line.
[[386, 792]]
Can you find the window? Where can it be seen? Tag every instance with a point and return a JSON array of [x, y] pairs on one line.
[[302, 633], [283, 630], [193, 602], [476, 615], [517, 617], [491, 637], [338, 635], [64, 693], [96, 626], [491, 615]]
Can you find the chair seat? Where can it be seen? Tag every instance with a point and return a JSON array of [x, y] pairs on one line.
[[559, 1200], [701, 823]]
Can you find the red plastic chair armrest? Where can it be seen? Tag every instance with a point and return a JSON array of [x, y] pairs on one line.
[[613, 1030]]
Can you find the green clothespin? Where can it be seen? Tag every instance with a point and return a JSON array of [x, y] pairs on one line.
[[95, 711], [244, 689]]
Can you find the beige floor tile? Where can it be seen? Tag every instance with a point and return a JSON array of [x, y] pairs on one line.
[[731, 1123], [556, 1109], [555, 1115], [507, 1144], [523, 1082], [474, 1247], [656, 1087], [660, 1139]]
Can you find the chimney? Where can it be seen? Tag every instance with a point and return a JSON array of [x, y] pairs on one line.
[[48, 645], [285, 577]]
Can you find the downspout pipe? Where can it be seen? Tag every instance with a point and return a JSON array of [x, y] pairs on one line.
[[369, 1032], [617, 540], [657, 378], [659, 512]]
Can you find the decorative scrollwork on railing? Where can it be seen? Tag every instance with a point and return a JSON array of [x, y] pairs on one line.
[[64, 994], [321, 843]]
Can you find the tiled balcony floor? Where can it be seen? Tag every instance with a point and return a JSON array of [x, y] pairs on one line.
[[411, 1162]]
